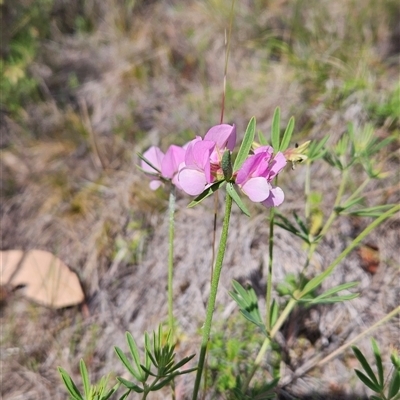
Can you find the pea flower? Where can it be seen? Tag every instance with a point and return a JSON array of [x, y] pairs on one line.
[[166, 165], [255, 176], [202, 164]]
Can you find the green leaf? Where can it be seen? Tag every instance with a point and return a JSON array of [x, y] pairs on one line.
[[183, 362], [337, 289], [236, 198], [365, 364], [262, 139], [329, 300], [69, 384], [366, 381], [316, 150], [125, 395], [287, 135], [208, 192], [130, 385], [273, 314], [248, 304], [379, 365], [127, 364], [85, 378], [163, 383], [374, 211], [246, 144], [394, 386], [276, 128], [135, 354], [301, 224]]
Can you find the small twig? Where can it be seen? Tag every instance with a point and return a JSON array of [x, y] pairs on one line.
[[98, 159]]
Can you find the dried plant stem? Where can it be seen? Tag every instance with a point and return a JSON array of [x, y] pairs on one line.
[[318, 362], [213, 294]]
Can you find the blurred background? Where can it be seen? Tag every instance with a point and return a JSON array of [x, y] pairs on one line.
[[85, 85]]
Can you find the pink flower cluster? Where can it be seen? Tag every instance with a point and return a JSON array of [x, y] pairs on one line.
[[197, 165]]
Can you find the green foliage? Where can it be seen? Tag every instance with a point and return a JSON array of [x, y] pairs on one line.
[[230, 352], [388, 389], [22, 39], [246, 299], [159, 353], [90, 392], [388, 110]]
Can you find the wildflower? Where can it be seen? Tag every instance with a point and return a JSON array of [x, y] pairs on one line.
[[202, 164], [165, 165], [255, 176]]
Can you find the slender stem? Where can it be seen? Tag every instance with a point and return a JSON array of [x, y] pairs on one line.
[[317, 361], [292, 302], [352, 245], [330, 220], [282, 318], [270, 261], [257, 363], [288, 309], [171, 211], [356, 338], [307, 190], [213, 294]]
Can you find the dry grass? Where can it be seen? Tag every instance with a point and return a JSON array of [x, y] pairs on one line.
[[151, 73]]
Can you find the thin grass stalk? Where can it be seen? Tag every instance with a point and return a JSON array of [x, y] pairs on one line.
[[213, 294]]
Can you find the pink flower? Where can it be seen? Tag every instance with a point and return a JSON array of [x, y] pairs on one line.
[[202, 164], [167, 164], [255, 176]]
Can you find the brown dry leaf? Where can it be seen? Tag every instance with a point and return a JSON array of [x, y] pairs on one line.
[[44, 277]]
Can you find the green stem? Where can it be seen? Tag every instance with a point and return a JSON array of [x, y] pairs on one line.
[[270, 260], [330, 220], [213, 294], [288, 309], [292, 302], [171, 210], [352, 245], [307, 190]]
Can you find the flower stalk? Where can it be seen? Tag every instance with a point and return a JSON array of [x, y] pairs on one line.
[[213, 294]]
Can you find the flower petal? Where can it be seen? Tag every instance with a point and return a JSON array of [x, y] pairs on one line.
[[275, 199], [277, 165], [192, 181], [155, 156], [247, 169], [173, 158], [155, 184], [257, 189], [223, 135]]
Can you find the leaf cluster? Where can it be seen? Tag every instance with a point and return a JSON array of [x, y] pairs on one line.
[[388, 389], [159, 363], [90, 392]]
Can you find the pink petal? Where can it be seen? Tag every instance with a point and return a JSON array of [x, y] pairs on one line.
[[257, 189], [223, 135], [173, 157], [275, 199], [277, 165], [192, 181], [198, 154], [155, 156], [155, 184], [247, 169]]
